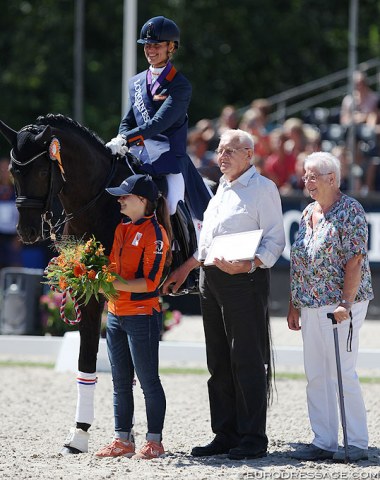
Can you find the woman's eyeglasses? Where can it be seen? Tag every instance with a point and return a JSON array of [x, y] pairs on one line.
[[313, 178]]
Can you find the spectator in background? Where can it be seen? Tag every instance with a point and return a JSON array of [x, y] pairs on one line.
[[356, 109], [313, 139], [254, 122], [206, 126], [295, 183], [294, 130], [227, 120], [203, 159], [373, 118], [354, 174], [10, 245], [280, 164], [373, 175], [197, 148], [373, 121], [264, 107]]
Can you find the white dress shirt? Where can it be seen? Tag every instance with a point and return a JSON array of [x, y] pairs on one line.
[[250, 202]]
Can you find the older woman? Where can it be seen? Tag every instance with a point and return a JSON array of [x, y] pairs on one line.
[[330, 274]]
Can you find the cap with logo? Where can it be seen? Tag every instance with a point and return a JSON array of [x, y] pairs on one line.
[[141, 185]]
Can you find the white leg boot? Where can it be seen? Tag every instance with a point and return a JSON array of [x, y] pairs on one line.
[[76, 442]]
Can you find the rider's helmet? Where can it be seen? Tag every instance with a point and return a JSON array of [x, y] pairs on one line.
[[159, 29]]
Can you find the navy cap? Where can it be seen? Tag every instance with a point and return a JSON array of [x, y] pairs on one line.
[[141, 185]]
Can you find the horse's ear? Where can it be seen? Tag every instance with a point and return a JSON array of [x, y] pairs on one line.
[[43, 137], [8, 133]]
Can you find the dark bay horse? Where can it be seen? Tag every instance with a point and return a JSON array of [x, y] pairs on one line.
[[58, 157]]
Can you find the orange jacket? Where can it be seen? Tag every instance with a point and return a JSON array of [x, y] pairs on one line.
[[139, 251]]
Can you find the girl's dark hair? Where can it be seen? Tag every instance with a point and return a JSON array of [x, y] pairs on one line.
[[163, 217]]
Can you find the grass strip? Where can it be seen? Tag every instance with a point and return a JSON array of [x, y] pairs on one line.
[[177, 371]]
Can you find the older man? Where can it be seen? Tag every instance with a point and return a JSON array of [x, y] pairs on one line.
[[234, 301]]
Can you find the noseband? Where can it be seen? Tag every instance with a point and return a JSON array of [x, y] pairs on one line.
[[25, 202]]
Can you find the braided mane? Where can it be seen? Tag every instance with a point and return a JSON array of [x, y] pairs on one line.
[[60, 121]]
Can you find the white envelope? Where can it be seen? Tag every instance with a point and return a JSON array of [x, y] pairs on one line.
[[234, 246]]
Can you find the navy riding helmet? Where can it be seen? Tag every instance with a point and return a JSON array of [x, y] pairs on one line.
[[159, 29]]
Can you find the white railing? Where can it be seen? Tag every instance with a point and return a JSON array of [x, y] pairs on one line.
[[318, 93]]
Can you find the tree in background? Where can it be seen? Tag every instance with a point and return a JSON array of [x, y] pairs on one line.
[[231, 51]]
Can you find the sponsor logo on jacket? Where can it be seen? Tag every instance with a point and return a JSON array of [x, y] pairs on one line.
[[139, 101]]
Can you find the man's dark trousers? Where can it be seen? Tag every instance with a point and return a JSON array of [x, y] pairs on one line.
[[235, 317]]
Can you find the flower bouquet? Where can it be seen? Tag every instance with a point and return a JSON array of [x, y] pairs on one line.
[[81, 268]]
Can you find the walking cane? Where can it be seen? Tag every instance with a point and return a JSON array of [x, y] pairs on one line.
[[340, 385]]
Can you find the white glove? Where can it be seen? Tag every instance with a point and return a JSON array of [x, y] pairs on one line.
[[118, 145]]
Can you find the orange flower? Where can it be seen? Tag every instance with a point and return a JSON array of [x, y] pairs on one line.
[[91, 274], [62, 283], [61, 261], [110, 278], [79, 270]]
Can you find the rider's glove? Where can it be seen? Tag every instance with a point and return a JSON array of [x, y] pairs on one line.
[[118, 145]]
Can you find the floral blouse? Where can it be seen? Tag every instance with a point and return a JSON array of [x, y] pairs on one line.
[[318, 256]]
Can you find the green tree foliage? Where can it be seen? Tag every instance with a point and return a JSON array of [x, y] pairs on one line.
[[231, 51]]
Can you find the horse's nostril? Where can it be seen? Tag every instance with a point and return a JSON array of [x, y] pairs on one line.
[[28, 234]]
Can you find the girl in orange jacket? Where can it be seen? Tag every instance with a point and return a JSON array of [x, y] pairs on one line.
[[140, 251]]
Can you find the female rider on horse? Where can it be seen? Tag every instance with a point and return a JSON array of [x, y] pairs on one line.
[[155, 127]]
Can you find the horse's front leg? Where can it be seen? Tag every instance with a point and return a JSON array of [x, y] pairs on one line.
[[89, 330]]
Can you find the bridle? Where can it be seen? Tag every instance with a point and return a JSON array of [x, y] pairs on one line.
[[45, 204], [24, 202]]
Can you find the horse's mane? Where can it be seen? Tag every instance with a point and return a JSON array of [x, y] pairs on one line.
[[60, 121]]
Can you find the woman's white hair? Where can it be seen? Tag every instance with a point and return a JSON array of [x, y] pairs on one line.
[[324, 162]]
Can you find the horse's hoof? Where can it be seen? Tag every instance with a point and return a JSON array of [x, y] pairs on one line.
[[67, 450], [76, 442]]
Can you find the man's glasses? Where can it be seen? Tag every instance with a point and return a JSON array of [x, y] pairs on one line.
[[229, 151], [313, 178]]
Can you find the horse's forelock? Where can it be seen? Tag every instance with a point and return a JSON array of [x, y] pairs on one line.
[[26, 146]]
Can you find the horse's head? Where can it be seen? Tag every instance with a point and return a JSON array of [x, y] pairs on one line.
[[32, 171]]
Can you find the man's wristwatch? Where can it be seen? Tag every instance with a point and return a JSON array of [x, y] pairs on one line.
[[253, 267]]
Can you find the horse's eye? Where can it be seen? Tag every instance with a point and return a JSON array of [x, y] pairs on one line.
[[43, 173]]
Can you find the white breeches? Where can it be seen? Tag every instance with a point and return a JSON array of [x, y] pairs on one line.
[[176, 191]]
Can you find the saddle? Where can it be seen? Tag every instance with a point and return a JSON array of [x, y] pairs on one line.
[[184, 244]]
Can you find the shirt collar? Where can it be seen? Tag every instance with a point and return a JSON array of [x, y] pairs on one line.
[[139, 221], [243, 179]]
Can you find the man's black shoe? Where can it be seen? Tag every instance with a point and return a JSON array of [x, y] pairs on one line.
[[242, 452], [216, 447]]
